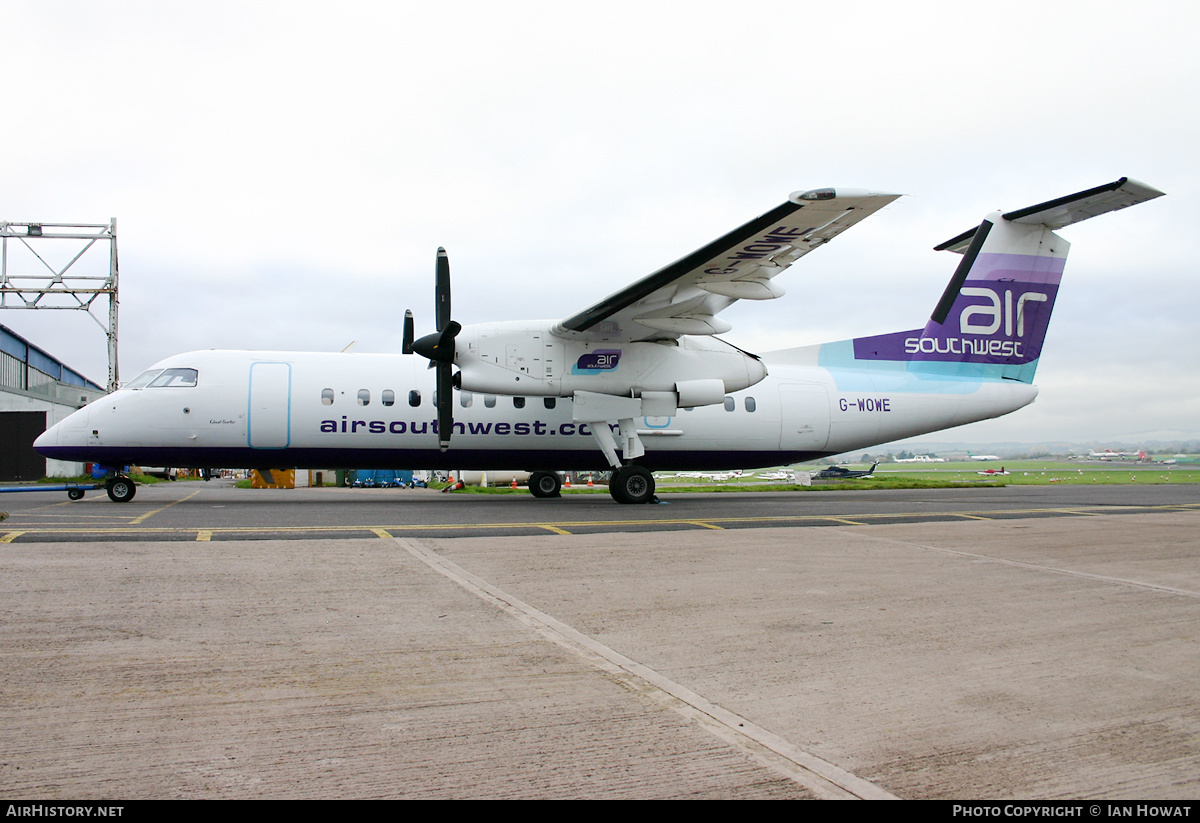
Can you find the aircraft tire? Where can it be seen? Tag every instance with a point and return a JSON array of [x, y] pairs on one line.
[[120, 489], [74, 494], [545, 484], [632, 484]]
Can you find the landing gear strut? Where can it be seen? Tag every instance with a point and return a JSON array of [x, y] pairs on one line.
[[632, 484]]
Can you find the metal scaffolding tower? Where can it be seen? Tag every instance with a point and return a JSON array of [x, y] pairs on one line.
[[46, 282]]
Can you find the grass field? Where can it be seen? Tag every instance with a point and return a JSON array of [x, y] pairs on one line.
[[1043, 472]]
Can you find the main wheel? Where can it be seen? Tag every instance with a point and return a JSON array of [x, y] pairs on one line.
[[632, 484], [120, 489], [544, 484]]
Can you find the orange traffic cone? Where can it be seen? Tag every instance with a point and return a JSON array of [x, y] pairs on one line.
[[514, 483], [590, 485], [567, 484]]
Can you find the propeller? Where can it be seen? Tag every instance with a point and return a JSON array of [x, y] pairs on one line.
[[408, 332], [438, 348]]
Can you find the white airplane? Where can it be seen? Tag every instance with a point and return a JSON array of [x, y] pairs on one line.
[[983, 456], [639, 381], [778, 475], [1109, 454]]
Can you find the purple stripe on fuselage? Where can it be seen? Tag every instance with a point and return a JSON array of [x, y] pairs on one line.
[[485, 459]]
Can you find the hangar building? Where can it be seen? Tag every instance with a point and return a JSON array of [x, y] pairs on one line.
[[36, 391]]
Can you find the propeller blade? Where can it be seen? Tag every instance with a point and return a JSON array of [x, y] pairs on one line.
[[445, 404], [439, 348], [407, 347], [441, 293]]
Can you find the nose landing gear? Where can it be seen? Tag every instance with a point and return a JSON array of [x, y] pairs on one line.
[[120, 489]]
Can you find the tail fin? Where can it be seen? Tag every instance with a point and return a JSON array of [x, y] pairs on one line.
[[992, 318]]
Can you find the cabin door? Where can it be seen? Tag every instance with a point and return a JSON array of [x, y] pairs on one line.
[[804, 417], [269, 415]]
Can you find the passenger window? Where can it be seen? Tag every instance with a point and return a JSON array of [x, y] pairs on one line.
[[414, 398], [364, 397], [729, 404], [465, 399], [518, 402], [489, 401], [549, 402], [389, 397], [327, 396], [751, 405]]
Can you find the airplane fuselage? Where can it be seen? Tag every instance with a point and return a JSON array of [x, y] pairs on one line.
[[305, 409]]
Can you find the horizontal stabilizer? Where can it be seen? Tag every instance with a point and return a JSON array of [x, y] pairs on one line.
[[1054, 214]]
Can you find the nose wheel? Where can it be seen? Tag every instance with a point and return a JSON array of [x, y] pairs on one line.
[[120, 489]]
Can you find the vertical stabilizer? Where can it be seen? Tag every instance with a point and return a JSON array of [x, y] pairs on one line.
[[991, 320]]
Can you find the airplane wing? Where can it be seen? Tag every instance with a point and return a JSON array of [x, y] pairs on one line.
[[685, 297]]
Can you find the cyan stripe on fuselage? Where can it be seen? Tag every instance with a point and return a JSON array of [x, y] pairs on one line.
[[916, 376]]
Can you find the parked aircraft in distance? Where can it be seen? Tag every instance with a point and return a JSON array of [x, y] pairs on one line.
[[1109, 454], [842, 473], [782, 474], [983, 456], [716, 477], [638, 381]]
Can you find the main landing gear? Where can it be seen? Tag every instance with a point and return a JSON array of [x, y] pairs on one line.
[[632, 484], [629, 484], [545, 484]]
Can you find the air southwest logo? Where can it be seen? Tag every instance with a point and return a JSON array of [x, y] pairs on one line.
[[983, 319], [595, 362]]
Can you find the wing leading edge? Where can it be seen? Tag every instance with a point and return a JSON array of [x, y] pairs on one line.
[[686, 296]]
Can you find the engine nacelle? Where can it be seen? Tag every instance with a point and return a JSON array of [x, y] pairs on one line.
[[519, 359]]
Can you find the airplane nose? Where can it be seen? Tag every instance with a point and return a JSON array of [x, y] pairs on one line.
[[69, 432], [47, 438]]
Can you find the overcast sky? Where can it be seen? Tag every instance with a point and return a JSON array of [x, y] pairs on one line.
[[283, 173]]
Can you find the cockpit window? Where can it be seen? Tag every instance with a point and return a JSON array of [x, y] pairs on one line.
[[174, 377], [143, 379]]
